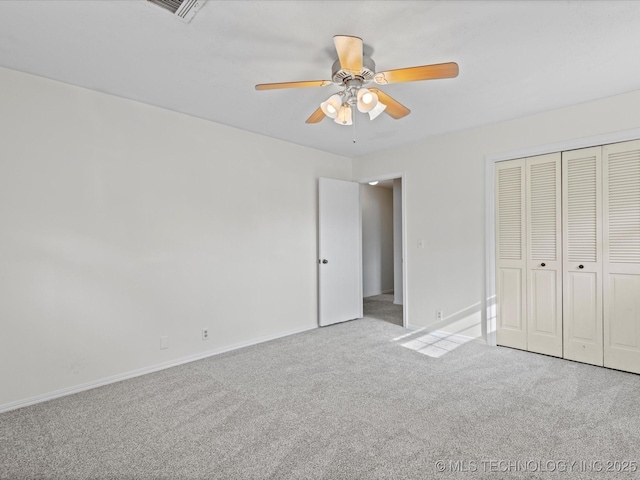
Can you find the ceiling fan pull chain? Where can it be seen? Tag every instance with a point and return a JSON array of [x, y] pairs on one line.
[[353, 120]]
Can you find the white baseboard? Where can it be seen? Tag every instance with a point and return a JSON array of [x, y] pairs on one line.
[[414, 327], [143, 371]]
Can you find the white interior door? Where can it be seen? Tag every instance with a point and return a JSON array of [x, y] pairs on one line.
[[339, 251], [510, 254], [621, 269], [544, 259], [582, 264]]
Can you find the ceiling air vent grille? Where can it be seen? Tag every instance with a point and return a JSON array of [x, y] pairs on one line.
[[183, 9]]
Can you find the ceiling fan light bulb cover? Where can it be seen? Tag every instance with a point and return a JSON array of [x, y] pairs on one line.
[[367, 100], [344, 116], [377, 110], [331, 106]]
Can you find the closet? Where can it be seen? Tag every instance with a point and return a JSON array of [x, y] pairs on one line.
[[568, 254]]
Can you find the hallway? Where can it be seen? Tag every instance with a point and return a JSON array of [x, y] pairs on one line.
[[382, 307]]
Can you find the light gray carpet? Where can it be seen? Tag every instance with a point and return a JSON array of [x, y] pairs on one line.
[[341, 402], [381, 307]]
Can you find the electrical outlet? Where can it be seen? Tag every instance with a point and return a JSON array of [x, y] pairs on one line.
[[439, 315], [164, 342], [205, 334]]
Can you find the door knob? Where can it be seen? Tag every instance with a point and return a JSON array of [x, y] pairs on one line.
[[324, 260], [580, 266], [542, 264]]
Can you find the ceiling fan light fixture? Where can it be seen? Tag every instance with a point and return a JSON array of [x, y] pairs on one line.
[[331, 106], [344, 115], [367, 100], [377, 110]]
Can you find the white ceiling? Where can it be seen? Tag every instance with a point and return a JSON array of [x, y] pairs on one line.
[[515, 57]]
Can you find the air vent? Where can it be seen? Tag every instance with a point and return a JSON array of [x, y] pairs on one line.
[[185, 10]]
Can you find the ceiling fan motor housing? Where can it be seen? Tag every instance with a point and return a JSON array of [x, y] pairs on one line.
[[341, 77]]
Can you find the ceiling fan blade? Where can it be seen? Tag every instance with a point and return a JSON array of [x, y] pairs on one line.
[[349, 52], [412, 74], [308, 83], [316, 116], [394, 108]]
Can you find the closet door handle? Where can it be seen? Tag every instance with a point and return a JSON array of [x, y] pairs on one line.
[[543, 264], [580, 266]]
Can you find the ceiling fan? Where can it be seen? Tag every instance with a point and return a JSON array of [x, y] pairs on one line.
[[354, 71]]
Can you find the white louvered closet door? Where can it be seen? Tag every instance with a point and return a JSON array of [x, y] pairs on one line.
[[510, 254], [544, 259], [582, 239], [621, 269]]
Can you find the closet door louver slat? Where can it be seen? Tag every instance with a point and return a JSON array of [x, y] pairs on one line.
[[581, 209], [510, 219]]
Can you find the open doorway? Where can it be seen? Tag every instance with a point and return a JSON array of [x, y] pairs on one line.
[[382, 250]]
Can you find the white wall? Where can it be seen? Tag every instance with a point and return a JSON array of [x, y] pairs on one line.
[[123, 222], [397, 241], [377, 239], [444, 185]]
